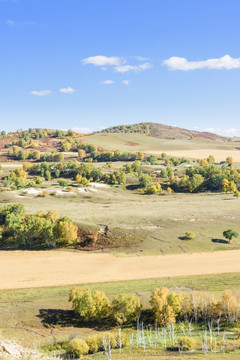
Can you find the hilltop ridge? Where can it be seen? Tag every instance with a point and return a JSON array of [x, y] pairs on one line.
[[163, 131]]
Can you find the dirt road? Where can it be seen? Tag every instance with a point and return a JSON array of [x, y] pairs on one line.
[[25, 269]]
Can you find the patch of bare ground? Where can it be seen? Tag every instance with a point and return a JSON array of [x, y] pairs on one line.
[[26, 269]]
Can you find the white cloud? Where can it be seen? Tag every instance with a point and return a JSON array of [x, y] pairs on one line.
[[41, 93], [224, 62], [108, 82], [135, 68], [126, 82], [226, 132], [82, 130], [101, 60], [67, 90]]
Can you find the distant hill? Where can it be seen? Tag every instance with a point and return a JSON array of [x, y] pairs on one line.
[[163, 132]]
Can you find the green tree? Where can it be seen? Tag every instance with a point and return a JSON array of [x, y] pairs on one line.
[[145, 180], [195, 182], [229, 234]]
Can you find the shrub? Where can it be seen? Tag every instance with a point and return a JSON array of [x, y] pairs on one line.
[[109, 338], [93, 343], [186, 342], [78, 347], [124, 339], [63, 183], [189, 235]]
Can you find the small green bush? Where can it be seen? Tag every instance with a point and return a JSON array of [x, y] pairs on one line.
[[78, 347], [186, 342]]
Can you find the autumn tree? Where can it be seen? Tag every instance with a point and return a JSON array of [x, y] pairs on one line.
[[89, 305], [125, 308], [166, 306]]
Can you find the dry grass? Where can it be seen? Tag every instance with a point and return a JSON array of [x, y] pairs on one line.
[[55, 268]]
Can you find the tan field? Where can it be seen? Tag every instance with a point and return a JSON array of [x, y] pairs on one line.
[[54, 268], [219, 155]]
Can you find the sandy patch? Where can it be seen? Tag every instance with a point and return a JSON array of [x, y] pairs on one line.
[[25, 269], [36, 192], [98, 185]]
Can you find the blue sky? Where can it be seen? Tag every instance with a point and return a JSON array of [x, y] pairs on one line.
[[90, 64]]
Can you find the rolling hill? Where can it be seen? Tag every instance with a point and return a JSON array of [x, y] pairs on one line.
[[163, 132]]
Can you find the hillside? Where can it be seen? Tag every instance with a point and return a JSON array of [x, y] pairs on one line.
[[163, 132]]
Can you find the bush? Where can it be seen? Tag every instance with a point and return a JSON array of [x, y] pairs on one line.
[[93, 343], [78, 347], [109, 338], [63, 183], [189, 235], [186, 342]]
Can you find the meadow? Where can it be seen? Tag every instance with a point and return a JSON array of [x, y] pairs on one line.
[[38, 317], [150, 225], [147, 250]]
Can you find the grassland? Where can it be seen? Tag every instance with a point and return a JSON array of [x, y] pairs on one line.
[[28, 315], [147, 226], [152, 225], [191, 148]]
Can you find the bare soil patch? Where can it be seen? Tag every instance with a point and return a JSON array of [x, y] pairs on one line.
[[26, 269]]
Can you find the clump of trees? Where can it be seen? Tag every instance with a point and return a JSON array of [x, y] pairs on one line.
[[206, 177], [34, 231], [142, 128], [166, 307], [94, 306], [20, 154]]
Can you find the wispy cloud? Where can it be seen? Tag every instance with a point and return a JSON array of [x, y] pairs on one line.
[[139, 58], [126, 82], [41, 92], [227, 132], [224, 62], [101, 60], [108, 82], [67, 90], [82, 129], [134, 68], [11, 22]]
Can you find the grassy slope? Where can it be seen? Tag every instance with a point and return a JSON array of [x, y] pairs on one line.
[[139, 142], [152, 224], [20, 309]]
